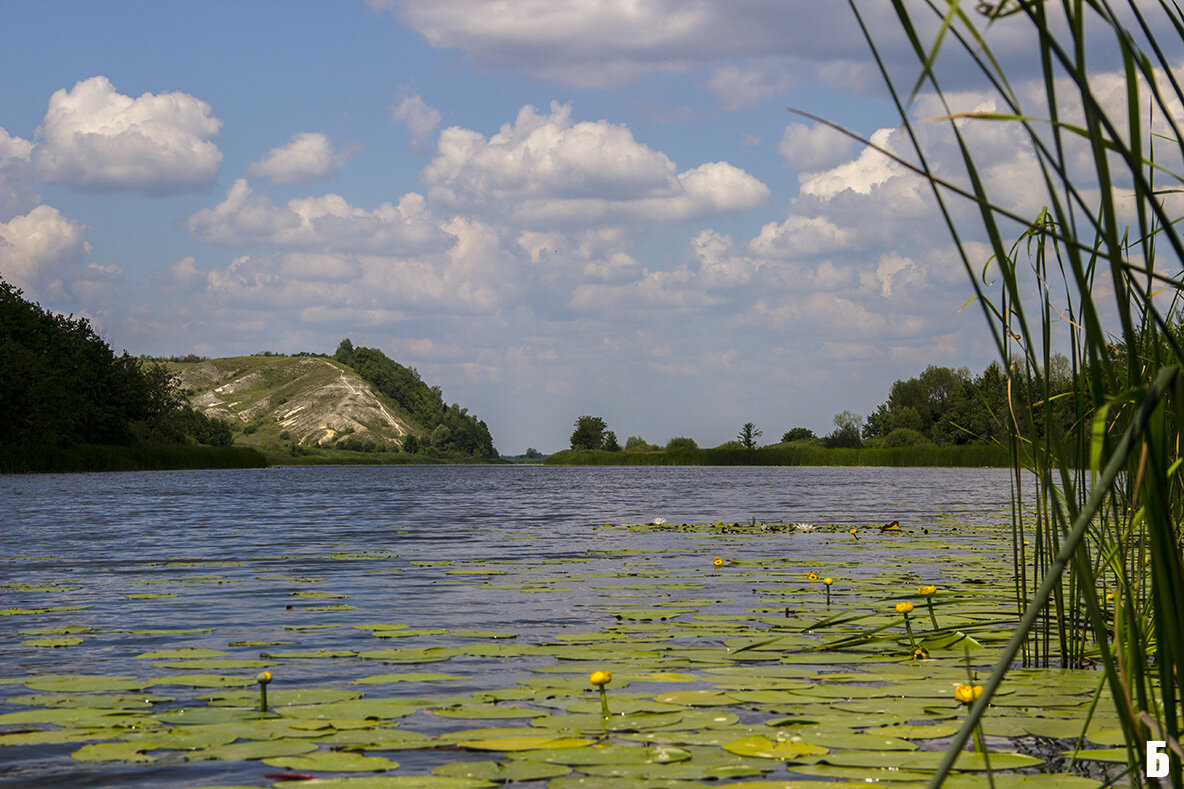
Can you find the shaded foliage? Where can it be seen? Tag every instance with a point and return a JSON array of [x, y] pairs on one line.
[[62, 386], [588, 433], [425, 404]]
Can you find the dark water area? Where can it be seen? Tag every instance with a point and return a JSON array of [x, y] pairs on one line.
[[239, 551]]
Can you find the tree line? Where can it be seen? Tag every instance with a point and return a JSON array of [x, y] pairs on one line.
[[62, 386], [942, 406]]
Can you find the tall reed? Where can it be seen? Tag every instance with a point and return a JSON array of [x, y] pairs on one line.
[[1096, 274]]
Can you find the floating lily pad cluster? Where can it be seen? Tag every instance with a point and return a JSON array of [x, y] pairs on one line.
[[748, 671]]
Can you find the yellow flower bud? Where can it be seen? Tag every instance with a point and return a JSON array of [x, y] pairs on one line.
[[600, 677], [966, 694], [263, 677], [828, 581], [927, 590], [905, 607]]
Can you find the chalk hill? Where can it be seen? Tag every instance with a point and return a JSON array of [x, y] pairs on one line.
[[311, 399]]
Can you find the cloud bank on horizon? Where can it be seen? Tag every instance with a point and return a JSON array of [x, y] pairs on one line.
[[550, 207]]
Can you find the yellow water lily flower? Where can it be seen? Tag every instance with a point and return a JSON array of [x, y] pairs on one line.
[[828, 581], [600, 678], [811, 576], [920, 653], [966, 694], [904, 608], [927, 590], [718, 561]]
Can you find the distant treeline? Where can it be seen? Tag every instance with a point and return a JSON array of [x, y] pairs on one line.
[[63, 388], [969, 455], [449, 428]]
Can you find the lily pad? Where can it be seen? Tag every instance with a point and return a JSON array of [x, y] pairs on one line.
[[765, 748], [256, 749], [334, 761], [501, 772], [83, 683]]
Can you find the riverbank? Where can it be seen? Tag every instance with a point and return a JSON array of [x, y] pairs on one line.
[[149, 457], [963, 456]]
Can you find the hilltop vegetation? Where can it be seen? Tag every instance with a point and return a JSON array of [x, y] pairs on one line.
[[66, 395], [448, 428]]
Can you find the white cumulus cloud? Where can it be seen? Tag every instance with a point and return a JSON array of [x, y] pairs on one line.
[[545, 169], [327, 223], [601, 43], [16, 190], [307, 157], [41, 251], [95, 138], [813, 148], [420, 118]]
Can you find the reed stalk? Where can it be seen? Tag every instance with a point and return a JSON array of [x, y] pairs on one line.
[[1096, 276]]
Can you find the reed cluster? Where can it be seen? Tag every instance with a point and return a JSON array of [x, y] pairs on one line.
[[1095, 275]]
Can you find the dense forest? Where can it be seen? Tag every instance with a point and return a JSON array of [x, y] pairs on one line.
[[449, 428], [63, 387]]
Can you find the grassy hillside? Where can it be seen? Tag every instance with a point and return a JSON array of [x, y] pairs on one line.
[[291, 405]]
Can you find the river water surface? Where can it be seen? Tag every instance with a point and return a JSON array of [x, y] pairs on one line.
[[303, 555]]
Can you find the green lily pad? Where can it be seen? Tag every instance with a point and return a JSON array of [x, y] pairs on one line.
[[53, 643], [280, 697], [525, 743], [765, 748], [490, 711], [696, 698], [112, 752], [501, 772], [213, 664], [413, 676], [377, 709], [191, 652], [334, 761], [387, 782], [205, 681], [608, 754], [929, 760], [83, 683], [53, 736], [255, 749]]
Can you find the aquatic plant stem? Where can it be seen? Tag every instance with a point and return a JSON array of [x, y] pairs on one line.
[[1118, 460], [603, 702], [909, 627]]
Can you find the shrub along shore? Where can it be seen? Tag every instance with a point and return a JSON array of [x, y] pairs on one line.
[[144, 457], [966, 455]]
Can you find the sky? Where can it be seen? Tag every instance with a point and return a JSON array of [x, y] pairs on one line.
[[549, 208]]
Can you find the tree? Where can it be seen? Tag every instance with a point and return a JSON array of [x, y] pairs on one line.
[[637, 443], [533, 454], [411, 444], [748, 435], [610, 442], [589, 433], [440, 436], [797, 434], [846, 432], [680, 443]]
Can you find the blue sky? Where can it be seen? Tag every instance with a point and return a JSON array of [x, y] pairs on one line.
[[550, 208]]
